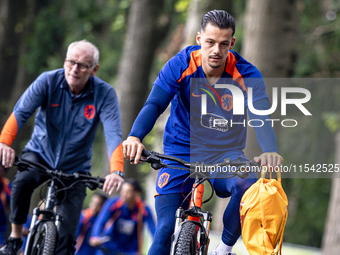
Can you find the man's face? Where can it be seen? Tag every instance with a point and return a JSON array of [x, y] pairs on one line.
[[215, 44], [128, 194], [76, 78]]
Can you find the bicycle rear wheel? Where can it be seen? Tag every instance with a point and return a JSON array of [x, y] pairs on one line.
[[187, 240], [44, 241]]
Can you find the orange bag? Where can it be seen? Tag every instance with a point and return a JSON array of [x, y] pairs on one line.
[[263, 216]]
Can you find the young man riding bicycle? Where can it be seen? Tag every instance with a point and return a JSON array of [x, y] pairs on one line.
[[71, 103], [202, 125]]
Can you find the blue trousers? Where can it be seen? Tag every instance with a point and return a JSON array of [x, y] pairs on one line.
[[166, 206]]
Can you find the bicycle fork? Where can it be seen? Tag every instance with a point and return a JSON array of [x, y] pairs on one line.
[[194, 214], [47, 211]]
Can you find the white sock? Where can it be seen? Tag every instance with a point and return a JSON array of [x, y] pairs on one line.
[[224, 248]]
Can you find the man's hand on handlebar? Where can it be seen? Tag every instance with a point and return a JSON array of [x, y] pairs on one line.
[[112, 181], [270, 159], [7, 155], [132, 149]]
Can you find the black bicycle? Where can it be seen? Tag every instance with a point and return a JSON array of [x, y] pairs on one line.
[[43, 232], [192, 226]]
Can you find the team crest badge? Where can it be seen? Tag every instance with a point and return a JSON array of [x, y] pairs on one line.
[[163, 180], [227, 102], [89, 111]]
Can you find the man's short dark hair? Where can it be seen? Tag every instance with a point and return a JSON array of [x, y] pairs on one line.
[[219, 18]]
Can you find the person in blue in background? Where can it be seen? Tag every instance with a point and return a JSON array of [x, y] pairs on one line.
[[5, 194], [118, 228], [87, 218]]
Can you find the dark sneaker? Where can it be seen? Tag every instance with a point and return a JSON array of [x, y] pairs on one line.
[[11, 247]]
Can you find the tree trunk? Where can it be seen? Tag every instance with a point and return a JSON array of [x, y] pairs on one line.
[[269, 43], [147, 25], [331, 238], [15, 27], [10, 37]]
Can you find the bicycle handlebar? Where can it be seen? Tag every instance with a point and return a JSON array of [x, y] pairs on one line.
[[155, 157], [91, 182]]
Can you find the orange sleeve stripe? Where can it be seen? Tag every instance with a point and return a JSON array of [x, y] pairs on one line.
[[232, 70], [88, 213], [117, 159], [195, 61], [9, 130]]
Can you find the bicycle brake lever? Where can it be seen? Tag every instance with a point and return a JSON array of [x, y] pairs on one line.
[[91, 185], [242, 175], [156, 162], [141, 160]]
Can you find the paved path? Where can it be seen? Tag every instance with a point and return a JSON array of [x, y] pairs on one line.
[[287, 249]]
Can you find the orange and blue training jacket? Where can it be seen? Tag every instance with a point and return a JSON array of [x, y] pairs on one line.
[[202, 125], [66, 124], [87, 218]]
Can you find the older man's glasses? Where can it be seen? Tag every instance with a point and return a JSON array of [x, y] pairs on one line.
[[82, 67]]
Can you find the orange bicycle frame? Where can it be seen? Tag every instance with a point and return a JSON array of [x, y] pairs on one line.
[[196, 199]]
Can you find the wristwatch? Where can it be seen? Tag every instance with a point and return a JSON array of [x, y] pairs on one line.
[[120, 173]]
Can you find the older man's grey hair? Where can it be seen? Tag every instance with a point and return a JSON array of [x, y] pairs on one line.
[[94, 47]]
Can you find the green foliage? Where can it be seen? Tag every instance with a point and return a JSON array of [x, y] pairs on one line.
[[45, 39], [319, 38], [103, 23], [59, 23], [182, 6], [312, 141], [332, 121], [309, 197]]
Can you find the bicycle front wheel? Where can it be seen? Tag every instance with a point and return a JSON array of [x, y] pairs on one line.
[[187, 240], [44, 241]]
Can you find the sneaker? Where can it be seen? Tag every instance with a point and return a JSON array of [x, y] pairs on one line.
[[11, 247], [217, 252]]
